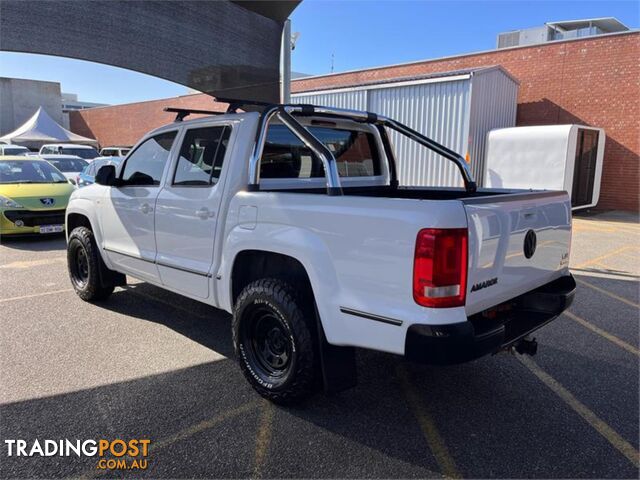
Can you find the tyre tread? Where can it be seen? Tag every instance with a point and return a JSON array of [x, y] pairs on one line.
[[94, 290], [288, 298]]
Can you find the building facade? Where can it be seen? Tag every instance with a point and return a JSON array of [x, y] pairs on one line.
[[20, 99], [592, 81], [70, 103]]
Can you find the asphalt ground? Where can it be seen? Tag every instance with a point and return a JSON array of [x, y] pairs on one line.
[[150, 364]]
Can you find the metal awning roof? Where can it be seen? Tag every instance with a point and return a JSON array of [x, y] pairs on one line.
[[450, 74], [607, 24], [224, 48]]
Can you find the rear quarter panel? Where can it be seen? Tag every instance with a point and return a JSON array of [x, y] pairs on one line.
[[357, 251]]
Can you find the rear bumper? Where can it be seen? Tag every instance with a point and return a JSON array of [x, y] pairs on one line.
[[483, 334]]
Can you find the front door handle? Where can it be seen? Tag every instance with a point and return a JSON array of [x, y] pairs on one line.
[[204, 213], [146, 208]]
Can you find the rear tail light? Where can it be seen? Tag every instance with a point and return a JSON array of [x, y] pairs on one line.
[[440, 267]]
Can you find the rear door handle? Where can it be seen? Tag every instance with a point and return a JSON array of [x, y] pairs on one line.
[[204, 213], [146, 208]]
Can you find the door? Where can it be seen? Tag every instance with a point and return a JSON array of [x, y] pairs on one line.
[[187, 211], [584, 171], [127, 211]]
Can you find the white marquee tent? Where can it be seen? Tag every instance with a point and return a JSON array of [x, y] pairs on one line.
[[41, 129]]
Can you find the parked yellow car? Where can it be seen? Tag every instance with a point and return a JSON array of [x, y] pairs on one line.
[[33, 196]]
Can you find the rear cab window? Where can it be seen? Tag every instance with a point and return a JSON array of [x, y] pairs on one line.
[[201, 156], [287, 162]]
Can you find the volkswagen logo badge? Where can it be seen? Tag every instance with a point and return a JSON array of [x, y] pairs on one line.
[[47, 201], [530, 242]]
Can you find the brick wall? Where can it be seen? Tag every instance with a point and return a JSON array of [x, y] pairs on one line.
[[126, 124], [593, 81]]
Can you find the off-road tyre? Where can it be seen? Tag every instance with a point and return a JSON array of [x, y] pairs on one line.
[[84, 264], [274, 338]]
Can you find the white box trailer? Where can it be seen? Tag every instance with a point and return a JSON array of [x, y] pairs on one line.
[[550, 157]]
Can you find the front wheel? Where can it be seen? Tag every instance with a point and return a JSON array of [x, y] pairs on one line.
[[84, 263], [274, 341]]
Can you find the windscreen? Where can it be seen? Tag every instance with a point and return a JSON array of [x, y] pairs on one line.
[[285, 156], [87, 153], [69, 164], [15, 151], [29, 171]]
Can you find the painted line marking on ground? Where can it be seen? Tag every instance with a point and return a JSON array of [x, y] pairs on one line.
[[429, 430], [606, 226], [606, 273], [612, 338], [263, 437], [204, 425], [608, 293], [34, 295], [592, 228], [581, 409], [609, 267], [184, 434], [602, 257], [613, 271]]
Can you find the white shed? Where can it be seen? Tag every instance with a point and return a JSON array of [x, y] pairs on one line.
[[456, 108]]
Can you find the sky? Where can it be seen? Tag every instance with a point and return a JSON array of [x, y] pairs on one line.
[[357, 33]]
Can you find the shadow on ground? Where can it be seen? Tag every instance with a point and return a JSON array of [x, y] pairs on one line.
[[494, 418], [35, 243]]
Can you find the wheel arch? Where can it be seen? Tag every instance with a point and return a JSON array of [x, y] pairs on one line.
[[80, 214], [253, 264], [337, 364], [75, 220]]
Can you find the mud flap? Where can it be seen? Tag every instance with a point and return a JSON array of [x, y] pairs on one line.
[[339, 371], [110, 277]]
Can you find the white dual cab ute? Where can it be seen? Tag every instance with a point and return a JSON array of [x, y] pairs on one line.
[[291, 218]]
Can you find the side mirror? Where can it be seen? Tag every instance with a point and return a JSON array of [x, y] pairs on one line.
[[106, 175]]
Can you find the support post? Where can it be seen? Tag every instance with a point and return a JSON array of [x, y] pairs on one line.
[[285, 63]]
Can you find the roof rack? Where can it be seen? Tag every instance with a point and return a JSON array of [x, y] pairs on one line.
[[185, 112], [236, 103]]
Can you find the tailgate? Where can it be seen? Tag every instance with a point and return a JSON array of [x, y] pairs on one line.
[[517, 242]]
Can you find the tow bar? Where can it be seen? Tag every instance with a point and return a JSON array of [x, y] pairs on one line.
[[526, 346]]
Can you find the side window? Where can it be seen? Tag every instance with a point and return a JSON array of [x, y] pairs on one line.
[[146, 165], [201, 156], [285, 156]]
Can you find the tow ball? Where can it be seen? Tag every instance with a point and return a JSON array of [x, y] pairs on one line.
[[526, 346]]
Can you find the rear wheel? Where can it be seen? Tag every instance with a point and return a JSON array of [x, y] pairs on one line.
[[84, 263], [274, 340]]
